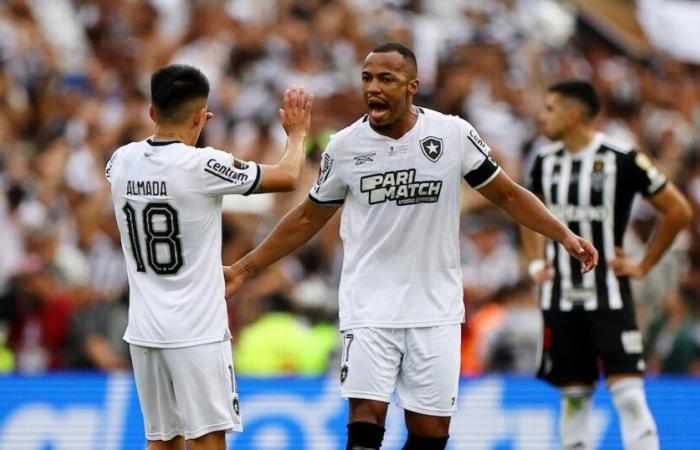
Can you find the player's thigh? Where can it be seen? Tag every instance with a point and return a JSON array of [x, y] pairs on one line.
[[429, 378], [567, 355], [161, 417], [205, 388], [618, 341], [370, 363]]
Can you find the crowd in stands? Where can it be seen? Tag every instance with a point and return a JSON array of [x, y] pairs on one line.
[[75, 89]]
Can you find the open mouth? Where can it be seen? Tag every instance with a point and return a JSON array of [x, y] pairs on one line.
[[378, 109]]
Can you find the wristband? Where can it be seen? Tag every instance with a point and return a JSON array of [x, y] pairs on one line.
[[535, 267]]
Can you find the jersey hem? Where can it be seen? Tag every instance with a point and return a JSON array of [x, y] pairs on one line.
[[174, 344], [426, 324]]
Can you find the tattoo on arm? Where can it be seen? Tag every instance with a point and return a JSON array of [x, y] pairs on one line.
[[249, 266]]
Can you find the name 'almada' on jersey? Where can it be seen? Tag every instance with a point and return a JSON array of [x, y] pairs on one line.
[[146, 187]]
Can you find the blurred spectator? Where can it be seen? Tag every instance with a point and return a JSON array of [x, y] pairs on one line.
[[279, 343], [673, 338], [503, 335], [489, 259]]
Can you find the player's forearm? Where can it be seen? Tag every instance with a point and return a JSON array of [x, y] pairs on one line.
[[533, 244], [527, 210], [670, 226], [292, 232], [292, 160]]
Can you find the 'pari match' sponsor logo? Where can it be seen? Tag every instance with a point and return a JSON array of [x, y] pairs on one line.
[[400, 186]]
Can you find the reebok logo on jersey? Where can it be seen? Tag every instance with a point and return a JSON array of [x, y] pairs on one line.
[[432, 148], [400, 186], [361, 159], [224, 172]]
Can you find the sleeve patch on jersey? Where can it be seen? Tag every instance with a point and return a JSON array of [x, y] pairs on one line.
[[324, 171], [479, 143], [238, 164], [479, 176], [225, 172]]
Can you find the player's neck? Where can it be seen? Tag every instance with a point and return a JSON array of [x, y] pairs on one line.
[[578, 139], [402, 126], [174, 134]]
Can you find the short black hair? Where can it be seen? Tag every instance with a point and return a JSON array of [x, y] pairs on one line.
[[579, 90], [401, 49], [174, 85]]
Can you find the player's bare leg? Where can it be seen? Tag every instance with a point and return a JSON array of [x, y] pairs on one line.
[[366, 424], [637, 425], [426, 432], [176, 443], [210, 441]]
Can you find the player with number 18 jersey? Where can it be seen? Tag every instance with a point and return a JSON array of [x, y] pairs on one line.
[[167, 199]]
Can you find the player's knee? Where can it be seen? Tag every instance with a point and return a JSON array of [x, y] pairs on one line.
[[364, 436], [636, 422], [425, 443]]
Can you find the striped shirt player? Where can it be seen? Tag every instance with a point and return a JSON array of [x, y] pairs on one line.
[[589, 182], [592, 192]]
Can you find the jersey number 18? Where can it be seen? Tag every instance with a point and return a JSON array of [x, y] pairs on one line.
[[167, 236]]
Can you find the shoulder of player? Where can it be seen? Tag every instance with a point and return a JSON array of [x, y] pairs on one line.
[[617, 146], [346, 135], [549, 149]]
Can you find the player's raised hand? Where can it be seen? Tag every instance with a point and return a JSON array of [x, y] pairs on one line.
[[295, 113], [582, 250]]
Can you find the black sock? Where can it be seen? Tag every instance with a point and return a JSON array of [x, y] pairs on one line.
[[364, 436], [421, 443]]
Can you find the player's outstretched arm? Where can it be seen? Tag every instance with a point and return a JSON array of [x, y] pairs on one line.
[[676, 214], [295, 228], [295, 116], [527, 210]]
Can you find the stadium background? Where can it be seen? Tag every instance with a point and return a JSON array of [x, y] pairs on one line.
[[74, 86]]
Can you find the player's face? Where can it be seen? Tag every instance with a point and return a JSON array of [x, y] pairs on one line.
[[388, 86], [555, 118]]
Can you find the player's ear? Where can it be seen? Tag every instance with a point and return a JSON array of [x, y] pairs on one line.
[[152, 113], [413, 86], [199, 116]]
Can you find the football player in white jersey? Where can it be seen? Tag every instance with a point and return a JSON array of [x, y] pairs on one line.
[[398, 171], [167, 196]]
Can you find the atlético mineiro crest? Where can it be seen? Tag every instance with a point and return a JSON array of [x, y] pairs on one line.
[[432, 148]]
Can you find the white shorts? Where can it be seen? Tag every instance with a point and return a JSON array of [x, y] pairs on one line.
[[421, 364], [188, 391]]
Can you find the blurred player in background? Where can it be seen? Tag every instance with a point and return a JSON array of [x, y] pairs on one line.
[[588, 181], [398, 171], [167, 196]]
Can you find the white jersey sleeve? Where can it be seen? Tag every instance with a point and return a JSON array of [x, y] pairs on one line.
[[222, 173], [111, 164], [478, 167], [329, 188]]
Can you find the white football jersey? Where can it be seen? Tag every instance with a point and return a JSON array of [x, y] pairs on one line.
[[167, 201], [400, 224]]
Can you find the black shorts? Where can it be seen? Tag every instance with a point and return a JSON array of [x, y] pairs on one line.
[[577, 346]]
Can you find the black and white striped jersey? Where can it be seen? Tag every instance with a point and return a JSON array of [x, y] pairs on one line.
[[591, 192]]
